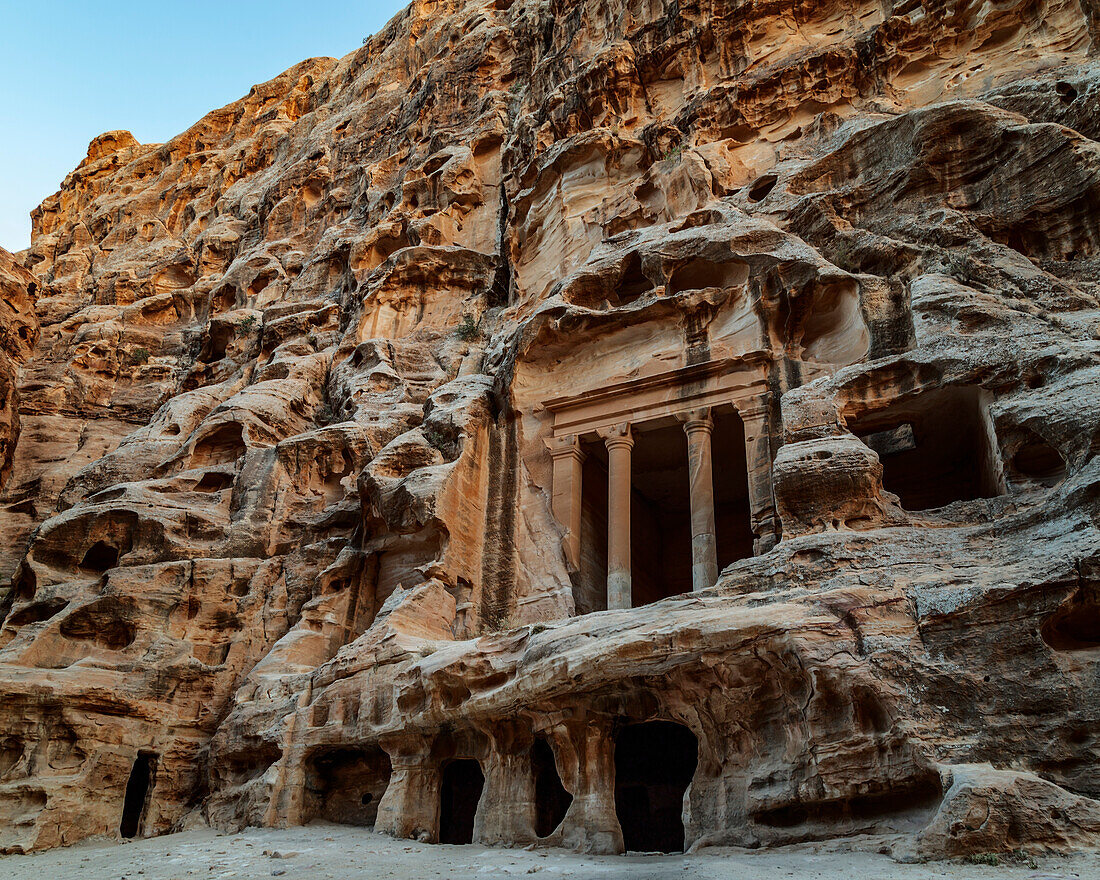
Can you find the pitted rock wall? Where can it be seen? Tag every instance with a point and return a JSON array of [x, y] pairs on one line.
[[278, 525]]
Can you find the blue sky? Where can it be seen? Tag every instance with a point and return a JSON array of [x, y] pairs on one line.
[[71, 70]]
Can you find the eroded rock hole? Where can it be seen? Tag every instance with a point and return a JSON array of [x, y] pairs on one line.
[[100, 557], [935, 449], [214, 481], [224, 445], [904, 807], [459, 795], [106, 621], [1039, 462], [1075, 626], [137, 794], [1066, 92], [654, 765], [761, 188], [349, 783], [632, 281], [701, 274], [551, 799]]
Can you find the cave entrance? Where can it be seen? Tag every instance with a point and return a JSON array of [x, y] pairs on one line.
[[935, 449], [551, 799], [460, 793], [654, 765], [661, 557], [349, 783], [137, 794]]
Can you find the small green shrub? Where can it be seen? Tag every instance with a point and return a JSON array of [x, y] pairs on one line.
[[139, 355], [248, 323], [468, 330], [436, 438], [991, 859]]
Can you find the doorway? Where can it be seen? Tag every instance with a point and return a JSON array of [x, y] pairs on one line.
[[460, 792], [654, 765], [137, 792]]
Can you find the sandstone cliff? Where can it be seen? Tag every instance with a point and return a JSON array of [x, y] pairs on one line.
[[345, 395]]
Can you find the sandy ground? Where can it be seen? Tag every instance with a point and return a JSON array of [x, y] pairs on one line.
[[337, 852]]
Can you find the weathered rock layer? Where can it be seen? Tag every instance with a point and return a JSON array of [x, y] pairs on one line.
[[388, 428]]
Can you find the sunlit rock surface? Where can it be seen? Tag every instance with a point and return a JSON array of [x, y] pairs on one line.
[[313, 507]]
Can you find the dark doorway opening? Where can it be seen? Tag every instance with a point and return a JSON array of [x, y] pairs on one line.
[[733, 515], [459, 795], [349, 783], [551, 799], [137, 793], [660, 515], [654, 765], [935, 449]]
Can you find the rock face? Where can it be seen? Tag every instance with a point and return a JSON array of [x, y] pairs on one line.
[[616, 425], [18, 334]]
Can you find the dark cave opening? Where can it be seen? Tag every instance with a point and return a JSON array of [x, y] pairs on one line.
[[349, 783], [100, 557], [654, 765], [137, 793], [551, 799], [459, 795], [935, 449]]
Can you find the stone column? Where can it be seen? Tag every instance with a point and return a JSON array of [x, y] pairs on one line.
[[619, 442], [698, 425], [410, 806], [565, 499], [758, 459]]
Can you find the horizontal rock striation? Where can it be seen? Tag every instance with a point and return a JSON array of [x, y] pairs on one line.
[[387, 427]]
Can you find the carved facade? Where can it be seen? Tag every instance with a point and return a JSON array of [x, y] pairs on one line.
[[625, 425]]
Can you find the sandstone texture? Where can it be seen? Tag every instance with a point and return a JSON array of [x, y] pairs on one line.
[[617, 425]]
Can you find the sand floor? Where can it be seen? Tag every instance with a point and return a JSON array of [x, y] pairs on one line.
[[337, 852]]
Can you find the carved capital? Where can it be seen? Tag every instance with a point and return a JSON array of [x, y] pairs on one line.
[[615, 436], [696, 420], [565, 446]]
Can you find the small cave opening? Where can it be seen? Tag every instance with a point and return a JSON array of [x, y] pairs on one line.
[[935, 449], [459, 794], [38, 612], [137, 794], [348, 783], [25, 584], [100, 557], [224, 299], [1066, 92], [1038, 462], [1075, 625], [655, 762], [217, 342], [551, 799], [699, 274], [761, 188], [107, 621], [214, 481], [632, 282], [907, 806], [224, 445]]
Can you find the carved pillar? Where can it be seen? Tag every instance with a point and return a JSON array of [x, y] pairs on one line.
[[565, 499], [758, 458], [410, 806], [699, 426], [619, 442]]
